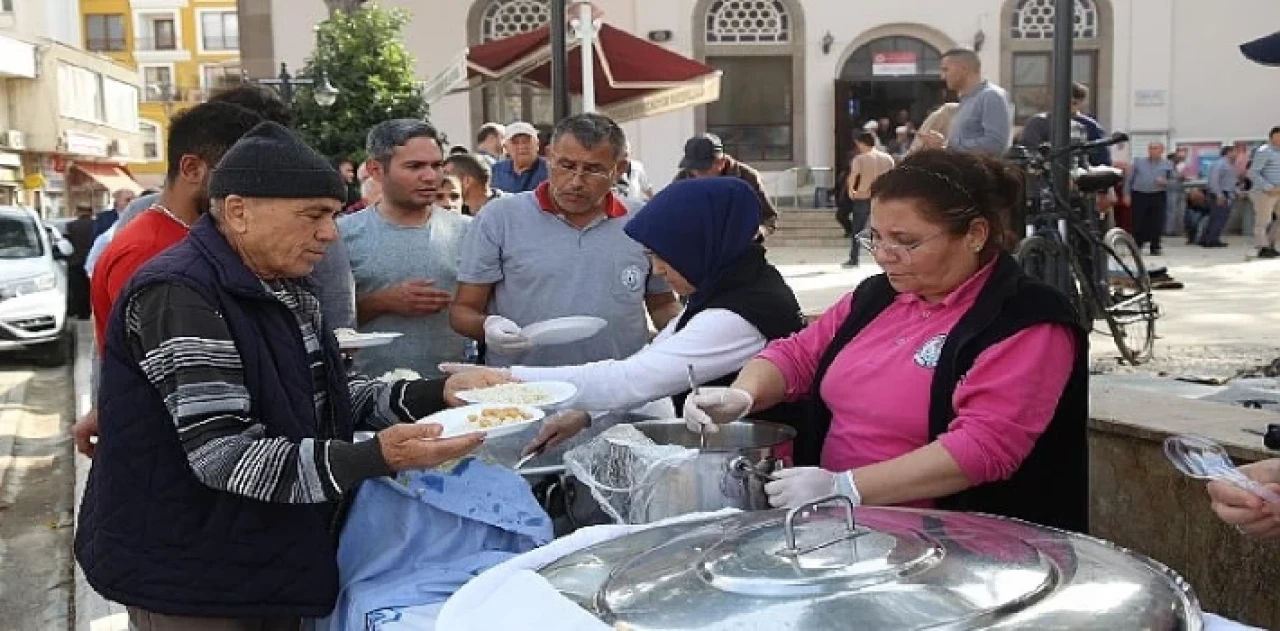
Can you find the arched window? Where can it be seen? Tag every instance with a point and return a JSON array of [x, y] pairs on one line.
[[151, 140], [748, 22], [509, 102], [1033, 19], [504, 18], [1028, 64], [758, 45]]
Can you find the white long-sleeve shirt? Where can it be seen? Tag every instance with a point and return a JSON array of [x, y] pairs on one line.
[[717, 342]]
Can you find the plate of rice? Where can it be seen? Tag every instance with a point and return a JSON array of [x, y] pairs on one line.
[[535, 393], [494, 420]]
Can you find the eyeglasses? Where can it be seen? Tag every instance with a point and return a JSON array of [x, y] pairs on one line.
[[588, 173], [896, 251]]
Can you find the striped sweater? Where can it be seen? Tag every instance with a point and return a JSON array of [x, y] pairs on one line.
[[187, 352]]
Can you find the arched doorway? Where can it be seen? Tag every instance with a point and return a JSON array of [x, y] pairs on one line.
[[882, 78]]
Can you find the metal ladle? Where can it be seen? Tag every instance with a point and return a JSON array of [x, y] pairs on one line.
[[693, 392], [1201, 458]]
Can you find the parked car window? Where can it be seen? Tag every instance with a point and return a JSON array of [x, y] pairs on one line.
[[19, 238]]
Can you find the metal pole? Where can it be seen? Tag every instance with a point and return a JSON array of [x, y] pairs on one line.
[[1063, 30], [586, 47], [286, 85], [559, 61]]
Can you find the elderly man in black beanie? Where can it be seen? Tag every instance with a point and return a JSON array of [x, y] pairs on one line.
[[227, 417]]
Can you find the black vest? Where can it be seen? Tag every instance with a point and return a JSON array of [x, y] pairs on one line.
[[150, 534], [1051, 487], [754, 290]]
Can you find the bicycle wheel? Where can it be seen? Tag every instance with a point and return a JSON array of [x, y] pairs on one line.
[[1045, 259], [1129, 308]]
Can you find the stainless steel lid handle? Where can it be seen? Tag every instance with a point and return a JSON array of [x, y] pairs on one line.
[[789, 526]]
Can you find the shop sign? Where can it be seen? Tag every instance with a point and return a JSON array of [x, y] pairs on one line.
[[894, 63]]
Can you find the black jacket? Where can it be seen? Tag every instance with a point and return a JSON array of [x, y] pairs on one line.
[[1051, 487]]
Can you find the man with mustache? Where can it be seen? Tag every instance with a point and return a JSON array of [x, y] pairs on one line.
[[560, 250]]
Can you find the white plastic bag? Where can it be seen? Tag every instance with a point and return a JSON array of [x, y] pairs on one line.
[[623, 469]]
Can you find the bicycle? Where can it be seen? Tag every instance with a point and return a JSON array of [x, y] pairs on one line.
[[1063, 246]]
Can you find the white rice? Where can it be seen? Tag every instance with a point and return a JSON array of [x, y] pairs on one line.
[[510, 394], [399, 374]]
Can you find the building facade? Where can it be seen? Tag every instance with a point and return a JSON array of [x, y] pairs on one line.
[[800, 76], [182, 51], [68, 118]]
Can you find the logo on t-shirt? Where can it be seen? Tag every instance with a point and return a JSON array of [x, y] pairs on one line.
[[929, 352], [632, 278]]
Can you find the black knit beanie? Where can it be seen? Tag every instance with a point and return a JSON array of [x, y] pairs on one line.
[[270, 162]]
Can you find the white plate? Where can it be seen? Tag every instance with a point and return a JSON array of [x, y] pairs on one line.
[[456, 421], [365, 340], [563, 330], [558, 391]]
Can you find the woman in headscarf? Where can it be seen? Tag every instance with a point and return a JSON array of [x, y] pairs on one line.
[[700, 235]]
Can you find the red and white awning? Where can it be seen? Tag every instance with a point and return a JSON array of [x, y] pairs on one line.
[[633, 78]]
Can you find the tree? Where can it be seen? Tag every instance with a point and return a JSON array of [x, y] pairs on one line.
[[363, 55]]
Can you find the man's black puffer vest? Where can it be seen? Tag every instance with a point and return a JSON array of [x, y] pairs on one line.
[[1051, 487], [150, 534]]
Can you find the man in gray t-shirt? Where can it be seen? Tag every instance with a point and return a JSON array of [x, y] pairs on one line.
[[404, 253], [560, 251]]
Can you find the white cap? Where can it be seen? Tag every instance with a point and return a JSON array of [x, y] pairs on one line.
[[521, 127], [870, 125]]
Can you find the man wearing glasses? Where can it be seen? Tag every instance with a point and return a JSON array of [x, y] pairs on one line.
[[404, 253], [560, 251]]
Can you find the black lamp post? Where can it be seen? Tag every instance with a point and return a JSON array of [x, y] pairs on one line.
[[325, 94]]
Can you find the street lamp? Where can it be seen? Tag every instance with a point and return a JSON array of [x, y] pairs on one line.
[[325, 93]]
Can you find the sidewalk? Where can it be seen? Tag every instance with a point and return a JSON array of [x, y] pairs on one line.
[[93, 612]]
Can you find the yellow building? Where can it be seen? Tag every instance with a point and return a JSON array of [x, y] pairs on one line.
[[182, 49]]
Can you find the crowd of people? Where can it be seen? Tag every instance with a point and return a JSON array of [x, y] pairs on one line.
[[223, 435]]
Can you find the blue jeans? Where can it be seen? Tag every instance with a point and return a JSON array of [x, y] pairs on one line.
[[858, 217]]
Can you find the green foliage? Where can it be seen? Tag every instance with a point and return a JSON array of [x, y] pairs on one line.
[[364, 56]]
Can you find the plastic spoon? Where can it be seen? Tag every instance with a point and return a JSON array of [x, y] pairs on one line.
[[1201, 458]]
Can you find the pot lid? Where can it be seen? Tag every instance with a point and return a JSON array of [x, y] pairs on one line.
[[890, 569]]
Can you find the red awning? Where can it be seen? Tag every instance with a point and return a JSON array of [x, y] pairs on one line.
[[108, 176], [633, 78]]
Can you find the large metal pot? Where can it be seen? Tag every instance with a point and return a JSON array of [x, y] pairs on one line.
[[830, 566], [729, 471]]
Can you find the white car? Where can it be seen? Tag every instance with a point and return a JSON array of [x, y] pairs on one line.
[[33, 287]]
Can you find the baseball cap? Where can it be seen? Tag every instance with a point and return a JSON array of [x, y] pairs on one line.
[[521, 127], [700, 152], [871, 126]]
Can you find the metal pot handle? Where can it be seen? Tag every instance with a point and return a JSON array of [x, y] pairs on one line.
[[741, 467], [789, 527]]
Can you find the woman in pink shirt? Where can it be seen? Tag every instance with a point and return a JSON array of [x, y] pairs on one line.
[[952, 380]]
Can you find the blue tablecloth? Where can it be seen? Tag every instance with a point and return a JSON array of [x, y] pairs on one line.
[[411, 541]]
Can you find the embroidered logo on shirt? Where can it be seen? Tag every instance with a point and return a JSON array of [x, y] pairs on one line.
[[929, 352], [632, 278]]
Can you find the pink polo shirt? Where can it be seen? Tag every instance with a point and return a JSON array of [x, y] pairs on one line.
[[878, 386]]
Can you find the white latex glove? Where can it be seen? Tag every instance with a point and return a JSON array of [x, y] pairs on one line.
[[503, 336], [715, 405], [799, 485]]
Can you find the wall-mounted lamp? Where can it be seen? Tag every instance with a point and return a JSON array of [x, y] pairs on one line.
[[827, 41], [660, 37], [979, 39]]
